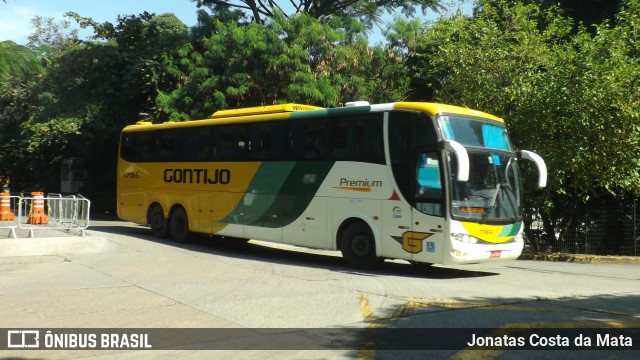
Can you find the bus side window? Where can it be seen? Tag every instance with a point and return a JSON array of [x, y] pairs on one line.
[[372, 141], [190, 144], [277, 142], [316, 142], [266, 141], [171, 144], [309, 140], [429, 186], [129, 148], [204, 146], [408, 131], [255, 142], [358, 138], [296, 142], [147, 147], [229, 142]]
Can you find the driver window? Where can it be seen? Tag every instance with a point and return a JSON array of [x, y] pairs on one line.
[[428, 193]]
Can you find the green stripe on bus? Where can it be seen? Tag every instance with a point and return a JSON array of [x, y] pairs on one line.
[[510, 230], [280, 192], [349, 110], [301, 186], [262, 192], [330, 112], [308, 114]]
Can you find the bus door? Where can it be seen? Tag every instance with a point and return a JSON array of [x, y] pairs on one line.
[[397, 228], [417, 224], [426, 240]]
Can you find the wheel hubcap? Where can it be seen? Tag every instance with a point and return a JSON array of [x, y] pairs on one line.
[[361, 246]]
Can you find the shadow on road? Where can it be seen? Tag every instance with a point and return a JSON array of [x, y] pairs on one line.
[[296, 256]]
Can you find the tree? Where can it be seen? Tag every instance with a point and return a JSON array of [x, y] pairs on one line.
[[296, 59], [590, 12], [50, 35], [363, 9], [569, 95], [16, 100], [20, 68], [585, 12], [88, 93]]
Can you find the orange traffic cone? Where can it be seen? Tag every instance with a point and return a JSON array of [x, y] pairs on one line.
[[37, 215], [5, 207]]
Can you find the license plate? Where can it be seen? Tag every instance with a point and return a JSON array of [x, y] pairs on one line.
[[495, 254]]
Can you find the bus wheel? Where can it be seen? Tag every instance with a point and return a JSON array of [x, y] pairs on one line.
[[179, 225], [157, 222], [358, 246]]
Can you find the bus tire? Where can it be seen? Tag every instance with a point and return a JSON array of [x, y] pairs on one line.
[[358, 246], [179, 225], [158, 223]]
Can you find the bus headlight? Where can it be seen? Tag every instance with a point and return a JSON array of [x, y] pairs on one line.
[[465, 238]]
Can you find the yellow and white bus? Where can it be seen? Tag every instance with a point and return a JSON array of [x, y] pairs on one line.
[[424, 182]]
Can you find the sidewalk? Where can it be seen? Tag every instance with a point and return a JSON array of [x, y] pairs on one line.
[[582, 258], [38, 232]]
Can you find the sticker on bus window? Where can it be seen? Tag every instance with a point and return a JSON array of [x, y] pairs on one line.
[[474, 210], [496, 159]]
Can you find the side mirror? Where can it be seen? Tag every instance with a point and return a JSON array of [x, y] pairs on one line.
[[542, 167], [462, 156]]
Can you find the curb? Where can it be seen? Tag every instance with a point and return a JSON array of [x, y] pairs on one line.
[[587, 259]]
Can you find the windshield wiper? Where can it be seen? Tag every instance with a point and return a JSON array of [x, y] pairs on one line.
[[492, 203], [495, 195]]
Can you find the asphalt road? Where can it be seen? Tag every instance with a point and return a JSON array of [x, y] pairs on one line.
[[119, 276]]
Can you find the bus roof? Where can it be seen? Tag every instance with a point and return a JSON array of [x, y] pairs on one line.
[[299, 111], [438, 108], [259, 110]]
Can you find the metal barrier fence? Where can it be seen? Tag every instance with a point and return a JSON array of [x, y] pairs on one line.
[[69, 212], [53, 212], [598, 228], [8, 218]]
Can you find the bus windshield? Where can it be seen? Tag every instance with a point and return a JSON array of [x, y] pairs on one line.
[[475, 133], [493, 191]]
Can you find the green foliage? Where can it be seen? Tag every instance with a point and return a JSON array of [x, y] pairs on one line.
[[523, 63], [583, 12], [15, 107], [18, 61], [88, 93], [297, 59], [367, 11], [50, 35]]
